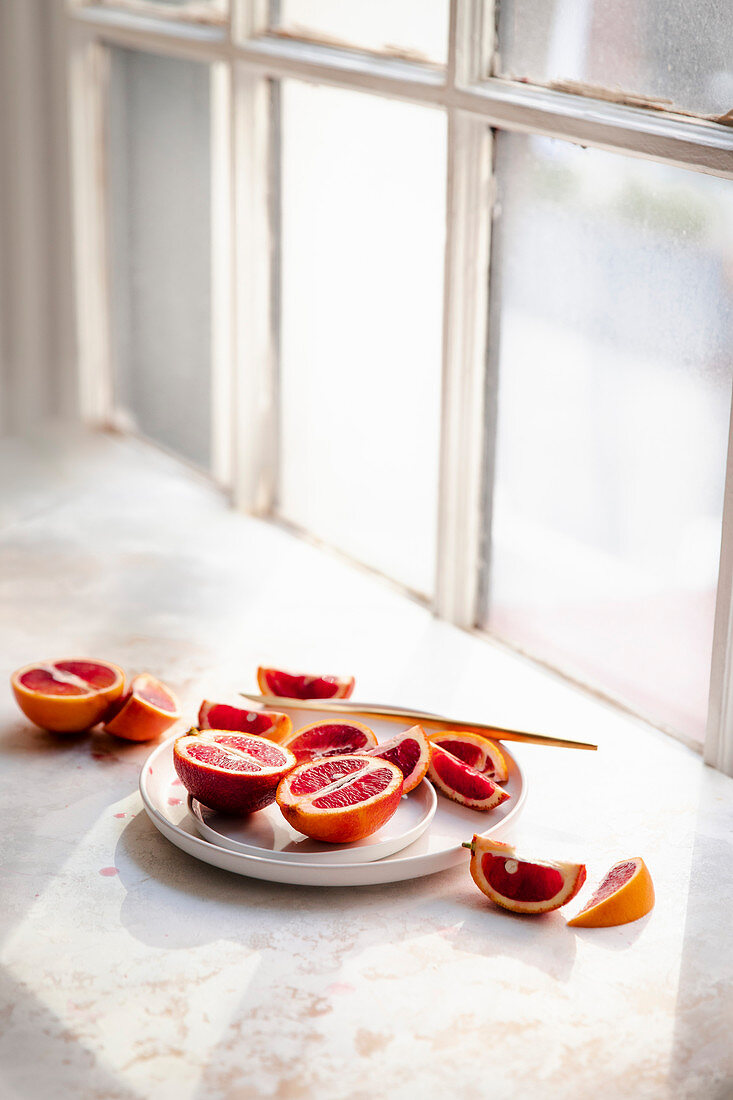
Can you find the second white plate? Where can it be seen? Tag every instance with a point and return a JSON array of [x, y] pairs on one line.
[[268, 834]]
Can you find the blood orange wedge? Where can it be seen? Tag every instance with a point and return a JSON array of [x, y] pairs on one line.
[[330, 739], [298, 685], [341, 799], [476, 751], [625, 894], [410, 751], [235, 773], [524, 886], [462, 783], [69, 695], [221, 716], [148, 709]]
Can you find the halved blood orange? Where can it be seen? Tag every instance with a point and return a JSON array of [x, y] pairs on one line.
[[410, 751], [262, 723], [329, 739], [341, 799], [523, 886], [462, 783], [625, 894], [476, 751], [235, 773], [148, 709], [68, 695], [299, 685]]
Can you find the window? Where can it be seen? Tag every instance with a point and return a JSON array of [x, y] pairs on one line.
[[444, 286]]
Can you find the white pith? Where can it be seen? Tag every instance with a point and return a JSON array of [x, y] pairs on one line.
[[264, 769]]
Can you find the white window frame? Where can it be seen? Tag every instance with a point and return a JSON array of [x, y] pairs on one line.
[[245, 59]]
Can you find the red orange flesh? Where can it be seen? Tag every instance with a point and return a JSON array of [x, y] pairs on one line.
[[340, 799], [522, 885], [330, 739], [262, 723], [625, 894], [67, 695], [410, 751], [301, 685], [235, 773], [476, 751], [147, 711], [462, 783]]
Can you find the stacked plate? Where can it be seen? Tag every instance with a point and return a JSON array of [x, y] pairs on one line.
[[422, 837]]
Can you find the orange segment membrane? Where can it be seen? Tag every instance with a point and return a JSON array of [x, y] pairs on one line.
[[210, 753], [521, 881], [265, 752], [330, 739], [469, 754], [405, 755], [323, 775], [358, 790], [68, 678]]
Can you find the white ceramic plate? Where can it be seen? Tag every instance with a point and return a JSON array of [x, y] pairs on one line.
[[267, 833], [438, 848]]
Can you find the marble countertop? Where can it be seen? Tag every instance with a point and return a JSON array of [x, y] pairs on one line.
[[131, 970]]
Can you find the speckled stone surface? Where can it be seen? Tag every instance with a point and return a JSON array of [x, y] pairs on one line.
[[129, 969]]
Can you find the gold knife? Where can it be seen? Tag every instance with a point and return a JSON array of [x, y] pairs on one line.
[[425, 718]]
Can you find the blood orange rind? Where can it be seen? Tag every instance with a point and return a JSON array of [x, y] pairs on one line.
[[147, 710], [476, 751], [262, 723], [67, 695], [625, 894], [410, 751], [462, 783], [521, 885], [234, 773], [340, 799], [321, 739], [301, 685]]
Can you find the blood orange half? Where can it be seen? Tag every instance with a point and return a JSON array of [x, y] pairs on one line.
[[234, 773], [329, 739], [68, 695], [462, 783], [625, 894], [221, 716], [299, 685], [410, 751], [341, 799], [148, 709], [523, 886], [476, 751]]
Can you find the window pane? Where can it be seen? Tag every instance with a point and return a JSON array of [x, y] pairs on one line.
[[417, 29], [613, 336], [363, 214], [160, 242], [674, 50]]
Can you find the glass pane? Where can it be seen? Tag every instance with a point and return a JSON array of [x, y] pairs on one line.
[[613, 284], [363, 215], [416, 29], [160, 243], [674, 50]]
